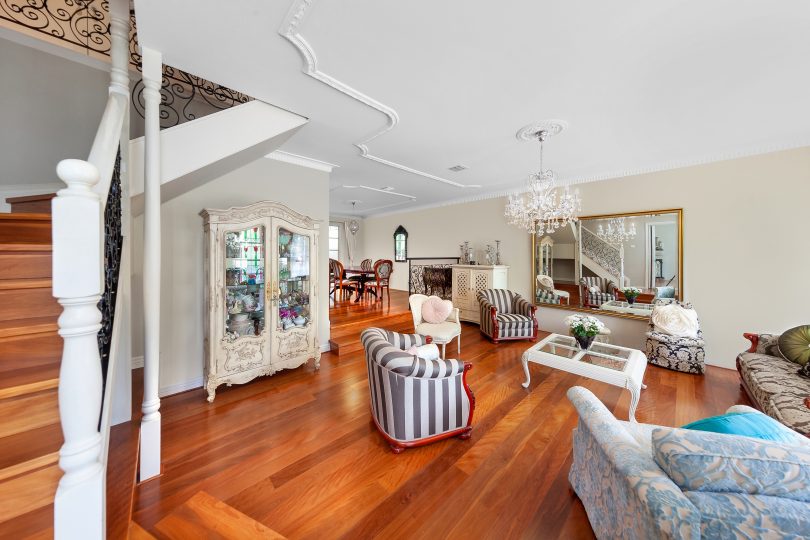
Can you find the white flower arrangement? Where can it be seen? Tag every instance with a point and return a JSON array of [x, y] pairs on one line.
[[584, 325], [631, 292]]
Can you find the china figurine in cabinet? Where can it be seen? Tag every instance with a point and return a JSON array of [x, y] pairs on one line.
[[261, 292]]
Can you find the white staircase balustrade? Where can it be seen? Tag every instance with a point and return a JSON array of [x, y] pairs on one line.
[[78, 265]]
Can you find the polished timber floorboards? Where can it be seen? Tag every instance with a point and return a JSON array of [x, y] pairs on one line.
[[295, 455]]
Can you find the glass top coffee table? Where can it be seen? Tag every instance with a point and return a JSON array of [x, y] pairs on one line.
[[611, 364]]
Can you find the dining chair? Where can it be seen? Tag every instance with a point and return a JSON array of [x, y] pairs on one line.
[[337, 281], [366, 264], [383, 269]]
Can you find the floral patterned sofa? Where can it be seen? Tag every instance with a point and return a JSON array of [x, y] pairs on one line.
[[640, 481], [773, 384]]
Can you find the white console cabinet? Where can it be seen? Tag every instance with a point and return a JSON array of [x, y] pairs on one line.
[[469, 280]]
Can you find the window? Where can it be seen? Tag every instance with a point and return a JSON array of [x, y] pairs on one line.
[[400, 244], [334, 242]]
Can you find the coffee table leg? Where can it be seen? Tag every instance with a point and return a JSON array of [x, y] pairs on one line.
[[525, 362], [635, 393]]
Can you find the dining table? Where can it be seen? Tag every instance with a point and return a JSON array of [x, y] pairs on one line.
[[364, 275]]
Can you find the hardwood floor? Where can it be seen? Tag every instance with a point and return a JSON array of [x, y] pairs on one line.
[[296, 454]]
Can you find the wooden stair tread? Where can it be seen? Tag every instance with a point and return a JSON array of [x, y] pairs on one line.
[[28, 466], [25, 216], [26, 381], [28, 445], [21, 228], [25, 283], [31, 203], [27, 412], [34, 525], [25, 246], [34, 325], [28, 492], [28, 303]]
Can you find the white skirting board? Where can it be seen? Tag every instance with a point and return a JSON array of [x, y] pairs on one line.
[[137, 362], [180, 387]]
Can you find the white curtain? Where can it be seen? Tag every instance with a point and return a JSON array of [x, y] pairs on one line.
[[350, 239]]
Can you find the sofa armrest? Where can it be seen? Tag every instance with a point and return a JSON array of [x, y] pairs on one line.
[[762, 342], [754, 339], [609, 466], [524, 307]]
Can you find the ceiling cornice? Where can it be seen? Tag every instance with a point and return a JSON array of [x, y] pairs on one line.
[[303, 161], [665, 166], [290, 30]]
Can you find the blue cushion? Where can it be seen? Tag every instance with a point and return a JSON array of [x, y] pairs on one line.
[[753, 424], [701, 461]]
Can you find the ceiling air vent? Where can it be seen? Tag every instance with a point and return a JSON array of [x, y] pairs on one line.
[[458, 168]]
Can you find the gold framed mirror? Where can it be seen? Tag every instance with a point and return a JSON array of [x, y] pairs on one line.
[[611, 264]]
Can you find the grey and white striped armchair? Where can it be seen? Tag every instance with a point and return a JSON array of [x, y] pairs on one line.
[[593, 298], [415, 401], [507, 315]]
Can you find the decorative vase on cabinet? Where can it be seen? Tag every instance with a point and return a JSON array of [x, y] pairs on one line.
[[261, 292]]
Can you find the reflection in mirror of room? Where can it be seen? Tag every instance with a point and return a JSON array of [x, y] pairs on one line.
[[589, 263]]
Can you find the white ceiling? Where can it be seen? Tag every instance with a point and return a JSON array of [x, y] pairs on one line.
[[642, 85]]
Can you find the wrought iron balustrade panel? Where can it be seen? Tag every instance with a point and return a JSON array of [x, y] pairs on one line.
[[604, 254], [84, 23], [431, 276], [113, 240]]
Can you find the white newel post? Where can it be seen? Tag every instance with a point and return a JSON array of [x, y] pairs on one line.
[[150, 423], [77, 284]]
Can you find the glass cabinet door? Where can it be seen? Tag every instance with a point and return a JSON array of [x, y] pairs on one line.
[[293, 279], [244, 281]]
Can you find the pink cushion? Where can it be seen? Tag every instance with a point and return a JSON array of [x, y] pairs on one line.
[[435, 310]]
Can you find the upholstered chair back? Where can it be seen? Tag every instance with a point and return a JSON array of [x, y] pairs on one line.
[[502, 299], [382, 271], [366, 264], [335, 270], [545, 283], [605, 285]]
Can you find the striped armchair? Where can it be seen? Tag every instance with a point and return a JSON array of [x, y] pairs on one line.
[[506, 315], [591, 298], [415, 401]]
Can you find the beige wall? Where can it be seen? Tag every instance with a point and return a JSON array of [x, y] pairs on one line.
[[182, 302], [745, 241]]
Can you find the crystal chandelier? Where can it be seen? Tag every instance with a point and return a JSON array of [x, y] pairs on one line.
[[541, 209], [617, 231]]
